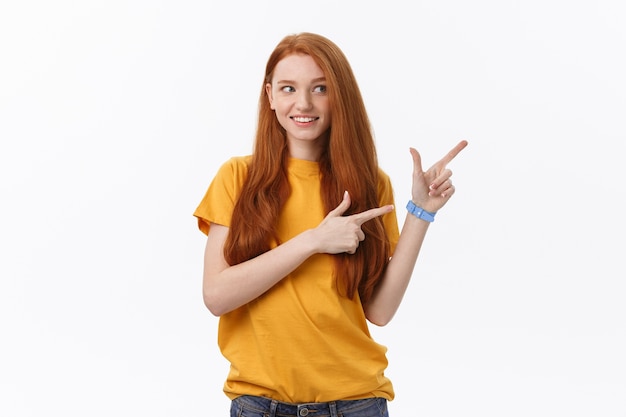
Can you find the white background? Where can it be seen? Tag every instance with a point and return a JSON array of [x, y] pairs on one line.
[[114, 116]]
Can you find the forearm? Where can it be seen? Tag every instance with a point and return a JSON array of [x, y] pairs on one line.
[[389, 293], [230, 287]]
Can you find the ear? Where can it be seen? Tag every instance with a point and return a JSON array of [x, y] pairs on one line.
[[268, 91]]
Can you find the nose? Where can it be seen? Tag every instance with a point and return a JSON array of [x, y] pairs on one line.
[[303, 100]]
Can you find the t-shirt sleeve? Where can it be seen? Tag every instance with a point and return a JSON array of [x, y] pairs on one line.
[[219, 200], [385, 195]]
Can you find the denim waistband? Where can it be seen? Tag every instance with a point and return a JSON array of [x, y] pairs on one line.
[[282, 409]]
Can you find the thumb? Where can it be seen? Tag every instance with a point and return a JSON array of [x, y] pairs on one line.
[[342, 207], [417, 160]]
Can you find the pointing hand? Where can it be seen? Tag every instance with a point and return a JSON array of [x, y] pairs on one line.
[[339, 234], [433, 188]]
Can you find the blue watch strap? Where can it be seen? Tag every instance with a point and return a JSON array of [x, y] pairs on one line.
[[419, 212]]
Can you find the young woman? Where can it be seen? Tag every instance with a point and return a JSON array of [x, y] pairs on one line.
[[303, 246]]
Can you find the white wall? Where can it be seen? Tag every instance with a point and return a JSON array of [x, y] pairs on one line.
[[114, 116]]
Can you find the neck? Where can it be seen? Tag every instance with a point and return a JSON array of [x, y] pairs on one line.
[[306, 149]]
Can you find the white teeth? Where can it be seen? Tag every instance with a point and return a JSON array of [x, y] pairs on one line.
[[303, 119]]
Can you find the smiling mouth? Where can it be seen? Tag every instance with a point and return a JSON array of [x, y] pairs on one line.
[[304, 119]]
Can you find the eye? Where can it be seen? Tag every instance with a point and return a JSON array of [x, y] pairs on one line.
[[320, 89], [287, 89]]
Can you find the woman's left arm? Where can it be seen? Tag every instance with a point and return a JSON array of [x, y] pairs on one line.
[[431, 190]]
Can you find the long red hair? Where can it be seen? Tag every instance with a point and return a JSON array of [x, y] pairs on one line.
[[349, 162]]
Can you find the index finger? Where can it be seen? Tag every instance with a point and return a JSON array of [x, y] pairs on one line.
[[370, 214], [453, 153]]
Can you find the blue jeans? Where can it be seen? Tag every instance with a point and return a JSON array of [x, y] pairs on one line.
[[251, 406]]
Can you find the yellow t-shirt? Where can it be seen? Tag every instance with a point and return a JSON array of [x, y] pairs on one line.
[[300, 341]]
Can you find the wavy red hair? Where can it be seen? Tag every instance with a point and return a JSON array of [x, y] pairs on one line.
[[349, 162]]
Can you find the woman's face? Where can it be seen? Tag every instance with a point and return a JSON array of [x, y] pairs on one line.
[[297, 94]]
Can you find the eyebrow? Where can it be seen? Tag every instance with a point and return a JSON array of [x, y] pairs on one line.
[[313, 81]]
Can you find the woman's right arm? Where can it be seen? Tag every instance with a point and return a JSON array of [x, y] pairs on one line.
[[226, 287]]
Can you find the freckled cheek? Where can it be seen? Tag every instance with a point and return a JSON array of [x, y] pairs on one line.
[[283, 120], [327, 121]]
